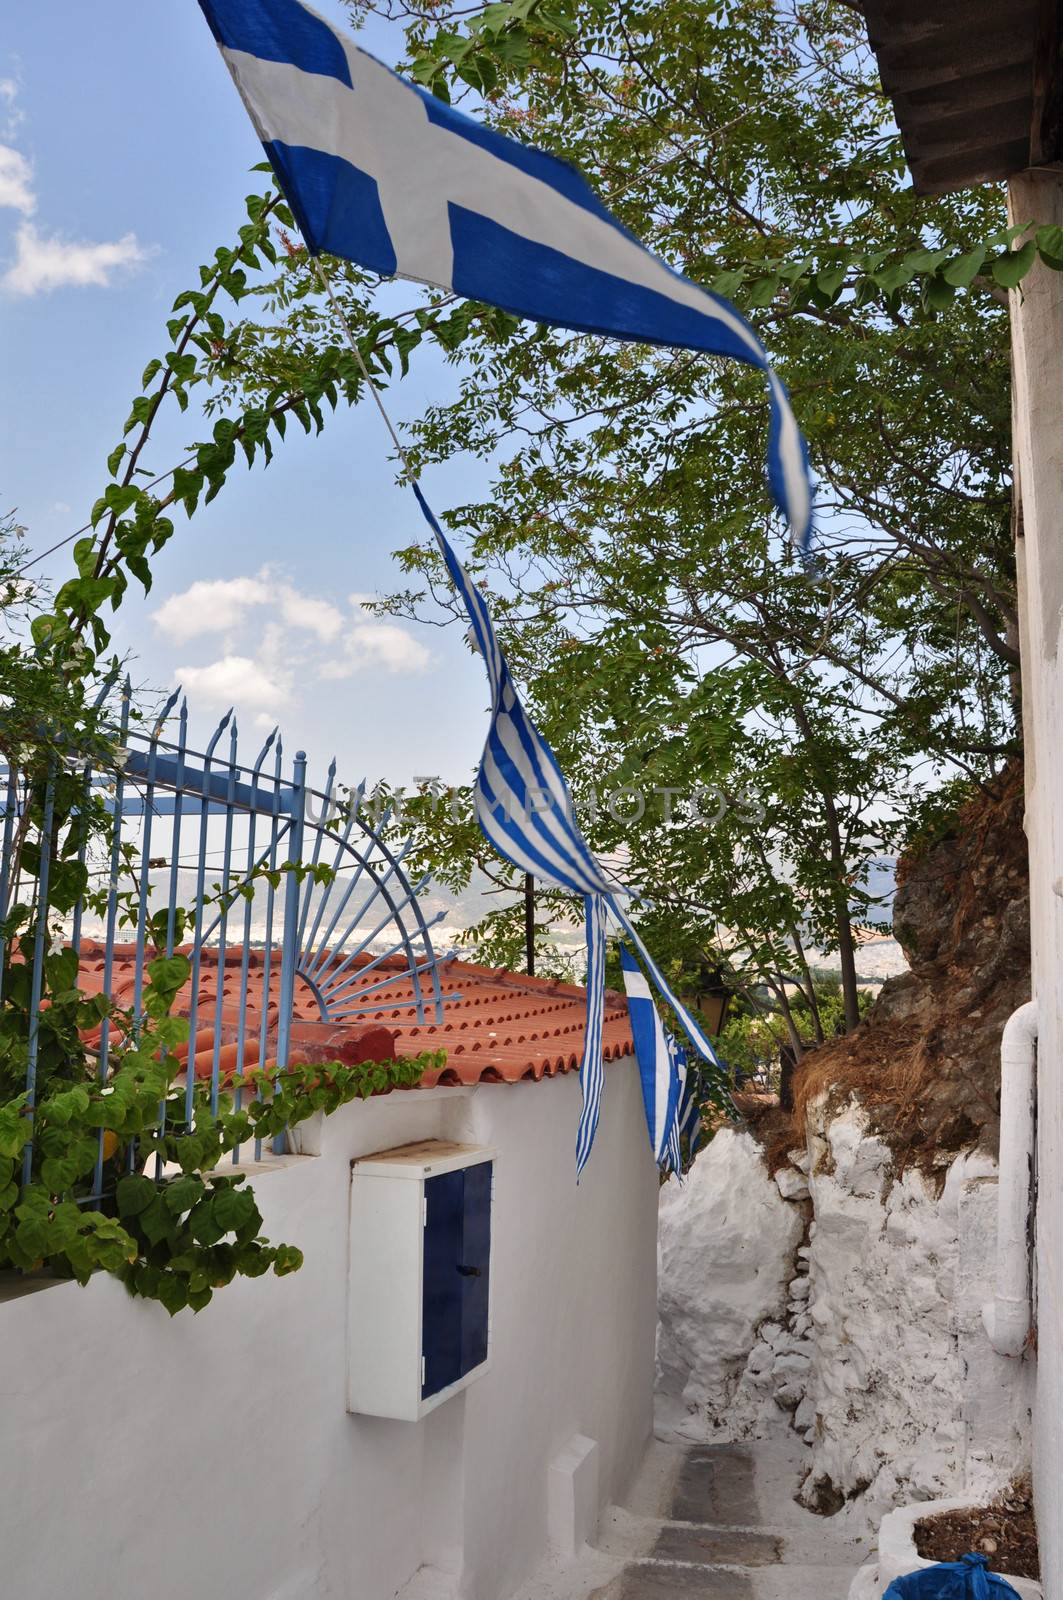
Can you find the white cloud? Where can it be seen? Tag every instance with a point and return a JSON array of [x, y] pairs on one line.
[[233, 680], [12, 115], [219, 605], [47, 261], [274, 645], [317, 616], [43, 263], [380, 645], [16, 180], [211, 605]]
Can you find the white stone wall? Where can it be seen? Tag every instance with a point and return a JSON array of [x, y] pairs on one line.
[[905, 1398], [212, 1456], [846, 1299]]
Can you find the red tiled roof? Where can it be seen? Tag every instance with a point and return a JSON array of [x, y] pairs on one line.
[[503, 1027]]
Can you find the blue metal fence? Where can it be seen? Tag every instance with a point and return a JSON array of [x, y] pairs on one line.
[[195, 863]]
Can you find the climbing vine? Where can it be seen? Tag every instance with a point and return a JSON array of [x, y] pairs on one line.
[[169, 1224], [123, 1169]]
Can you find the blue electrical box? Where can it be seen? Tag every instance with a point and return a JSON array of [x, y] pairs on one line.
[[420, 1276]]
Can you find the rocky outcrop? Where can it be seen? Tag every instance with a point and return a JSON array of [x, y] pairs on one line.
[[905, 1397], [835, 1284], [844, 1299], [925, 1064]]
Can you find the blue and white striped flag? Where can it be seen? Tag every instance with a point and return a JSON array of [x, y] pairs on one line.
[[675, 1148], [382, 173], [525, 808], [688, 1117], [657, 1064]]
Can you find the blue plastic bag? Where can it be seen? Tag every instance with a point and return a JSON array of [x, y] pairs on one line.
[[966, 1579]]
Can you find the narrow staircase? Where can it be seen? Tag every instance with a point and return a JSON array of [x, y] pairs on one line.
[[715, 1522]]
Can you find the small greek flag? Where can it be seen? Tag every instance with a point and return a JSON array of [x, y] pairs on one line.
[[657, 1062], [670, 1085], [688, 1117], [382, 173]]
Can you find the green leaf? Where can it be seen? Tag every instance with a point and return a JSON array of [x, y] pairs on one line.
[[830, 283], [206, 1229], [921, 261], [763, 291], [895, 277], [232, 1208], [287, 1259], [172, 1292], [962, 271], [57, 1174], [14, 1127], [727, 284], [1010, 268], [1050, 244], [168, 974], [134, 1194], [61, 969], [182, 1194]]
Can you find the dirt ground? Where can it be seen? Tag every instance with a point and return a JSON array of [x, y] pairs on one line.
[[1004, 1532]]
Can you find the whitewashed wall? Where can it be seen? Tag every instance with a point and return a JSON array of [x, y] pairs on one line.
[[847, 1297], [212, 1455], [1037, 346]]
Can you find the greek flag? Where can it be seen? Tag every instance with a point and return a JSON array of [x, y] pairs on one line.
[[525, 808], [688, 1116], [382, 173], [657, 1062]]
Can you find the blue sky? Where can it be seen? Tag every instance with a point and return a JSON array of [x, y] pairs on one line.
[[124, 160]]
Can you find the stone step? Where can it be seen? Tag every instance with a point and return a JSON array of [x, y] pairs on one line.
[[705, 1544], [698, 1545], [649, 1579], [716, 1483], [660, 1580]]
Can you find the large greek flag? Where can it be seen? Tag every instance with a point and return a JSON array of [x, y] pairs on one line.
[[382, 173]]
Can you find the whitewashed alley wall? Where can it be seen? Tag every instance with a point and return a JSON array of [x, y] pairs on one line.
[[212, 1456], [843, 1298]]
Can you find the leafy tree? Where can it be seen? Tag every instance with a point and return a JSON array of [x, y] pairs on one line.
[[664, 636], [666, 639]]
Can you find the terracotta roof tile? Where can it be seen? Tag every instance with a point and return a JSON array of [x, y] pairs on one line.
[[498, 1026]]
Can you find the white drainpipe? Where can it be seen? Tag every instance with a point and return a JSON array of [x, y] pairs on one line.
[[1007, 1316]]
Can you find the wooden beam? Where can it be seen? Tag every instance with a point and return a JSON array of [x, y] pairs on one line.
[[1047, 91]]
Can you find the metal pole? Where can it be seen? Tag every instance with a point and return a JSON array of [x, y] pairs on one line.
[[290, 947], [529, 924], [39, 952]]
